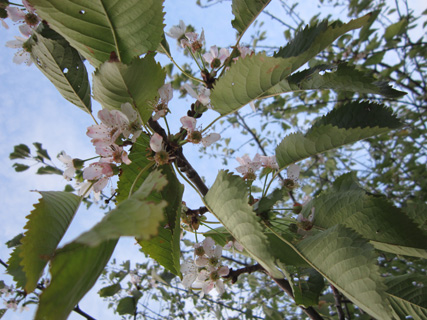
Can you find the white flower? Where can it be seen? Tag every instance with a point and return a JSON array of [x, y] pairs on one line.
[[202, 96], [210, 278], [215, 58], [11, 304], [190, 272], [211, 253], [99, 172], [113, 153], [7, 290], [269, 162], [177, 32], [84, 190], [248, 167], [293, 172], [156, 142], [195, 136], [21, 56], [166, 95], [193, 41], [133, 125], [70, 170], [244, 51]]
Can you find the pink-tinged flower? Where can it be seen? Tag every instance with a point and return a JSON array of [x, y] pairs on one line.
[[156, 142], [113, 153], [11, 304], [70, 170], [207, 253], [166, 95], [99, 172], [215, 58], [210, 278], [195, 136], [193, 41], [190, 272], [114, 122], [21, 56], [202, 96], [15, 14], [248, 167], [133, 125], [177, 32], [84, 190], [291, 182], [244, 51], [7, 290], [233, 244], [269, 162]]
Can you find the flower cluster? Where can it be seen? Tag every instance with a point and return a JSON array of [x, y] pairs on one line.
[[161, 107], [195, 136], [30, 21], [205, 270], [193, 41], [161, 155]]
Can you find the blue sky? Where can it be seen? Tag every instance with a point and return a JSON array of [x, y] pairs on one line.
[[31, 110]]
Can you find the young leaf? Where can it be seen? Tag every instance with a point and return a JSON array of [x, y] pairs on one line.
[[245, 12], [62, 65], [343, 78], [46, 226], [97, 28], [227, 199], [49, 170], [74, 269], [164, 247], [376, 219], [41, 153], [137, 216], [115, 83], [21, 151], [408, 295], [19, 167], [312, 40], [350, 123], [348, 262], [110, 291]]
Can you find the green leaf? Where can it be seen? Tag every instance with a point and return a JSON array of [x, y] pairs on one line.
[[164, 247], [408, 295], [126, 305], [395, 29], [49, 170], [21, 151], [62, 65], [19, 167], [130, 172], [373, 217], [348, 262], [349, 123], [16, 241], [41, 153], [110, 290], [344, 78], [74, 269], [227, 199], [312, 40], [245, 12], [247, 80], [98, 28], [2, 312], [138, 216], [137, 83], [15, 268], [46, 226]]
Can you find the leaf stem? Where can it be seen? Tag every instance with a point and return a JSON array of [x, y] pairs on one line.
[[186, 180], [210, 124]]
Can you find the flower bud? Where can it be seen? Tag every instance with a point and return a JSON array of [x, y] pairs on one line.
[[297, 208]]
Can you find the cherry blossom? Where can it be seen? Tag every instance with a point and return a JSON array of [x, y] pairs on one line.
[[210, 278], [190, 272], [210, 255], [215, 58], [244, 51], [70, 170], [11, 304], [291, 182], [177, 32], [99, 172], [193, 41], [202, 96], [233, 244], [133, 125], [269, 162], [166, 95], [156, 142], [248, 167], [113, 153], [22, 55], [195, 136]]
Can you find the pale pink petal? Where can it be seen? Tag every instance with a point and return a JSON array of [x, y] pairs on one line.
[[188, 280], [252, 105], [92, 173], [26, 30], [223, 271], [27, 6], [188, 123], [4, 24], [15, 44], [201, 261], [156, 142], [204, 94], [125, 158], [238, 246], [223, 55], [129, 112], [166, 93], [219, 286], [15, 14], [100, 184], [190, 90], [210, 138], [69, 173], [84, 189], [217, 252], [178, 31], [293, 171]]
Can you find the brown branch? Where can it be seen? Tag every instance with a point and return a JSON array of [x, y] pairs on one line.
[[185, 167], [338, 303], [82, 313], [234, 274]]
